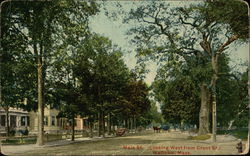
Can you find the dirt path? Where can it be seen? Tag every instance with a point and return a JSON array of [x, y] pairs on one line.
[[144, 144]]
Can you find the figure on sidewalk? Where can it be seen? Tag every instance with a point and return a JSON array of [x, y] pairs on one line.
[[239, 146]]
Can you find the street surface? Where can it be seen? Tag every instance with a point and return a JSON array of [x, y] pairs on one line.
[[145, 143]]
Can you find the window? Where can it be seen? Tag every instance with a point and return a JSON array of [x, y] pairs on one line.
[[12, 121], [2, 118], [71, 122], [59, 122], [85, 122], [28, 121], [23, 120], [45, 120], [53, 120]]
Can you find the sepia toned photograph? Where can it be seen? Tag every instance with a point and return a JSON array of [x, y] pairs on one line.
[[124, 77]]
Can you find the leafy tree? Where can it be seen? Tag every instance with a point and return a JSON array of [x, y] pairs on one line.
[[191, 33], [40, 23], [151, 117], [178, 97]]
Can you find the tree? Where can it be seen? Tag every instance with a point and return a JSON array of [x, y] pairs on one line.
[[40, 23], [177, 93], [193, 33]]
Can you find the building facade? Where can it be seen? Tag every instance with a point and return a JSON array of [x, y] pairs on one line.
[[21, 120], [18, 120]]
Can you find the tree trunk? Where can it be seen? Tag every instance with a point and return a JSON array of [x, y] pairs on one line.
[[73, 130], [135, 122], [128, 120], [99, 124], [7, 121], [131, 123], [103, 124], [232, 121], [204, 122], [1, 54], [126, 123], [40, 138], [91, 130], [109, 124]]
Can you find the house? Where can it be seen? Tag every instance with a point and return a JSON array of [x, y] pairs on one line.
[[18, 120], [51, 122]]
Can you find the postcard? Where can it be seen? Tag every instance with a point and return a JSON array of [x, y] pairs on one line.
[[138, 77]]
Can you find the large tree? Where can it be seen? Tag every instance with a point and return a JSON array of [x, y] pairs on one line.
[[194, 33], [41, 24]]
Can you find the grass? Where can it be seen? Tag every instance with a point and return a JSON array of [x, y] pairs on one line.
[[199, 137], [238, 133], [28, 140], [18, 141]]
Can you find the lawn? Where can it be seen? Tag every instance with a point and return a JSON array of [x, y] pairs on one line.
[[14, 141], [240, 133]]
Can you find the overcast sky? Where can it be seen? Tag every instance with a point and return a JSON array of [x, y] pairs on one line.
[[116, 32]]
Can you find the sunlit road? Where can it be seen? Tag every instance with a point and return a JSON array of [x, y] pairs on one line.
[[147, 143]]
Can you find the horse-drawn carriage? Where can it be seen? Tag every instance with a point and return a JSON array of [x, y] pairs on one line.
[[120, 131], [158, 129]]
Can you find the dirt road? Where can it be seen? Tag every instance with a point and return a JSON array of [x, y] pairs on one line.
[[147, 143]]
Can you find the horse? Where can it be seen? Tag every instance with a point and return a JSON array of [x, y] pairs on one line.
[[157, 129]]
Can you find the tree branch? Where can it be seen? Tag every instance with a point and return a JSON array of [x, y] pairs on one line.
[[188, 23], [228, 42]]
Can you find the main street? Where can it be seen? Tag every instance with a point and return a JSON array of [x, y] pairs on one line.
[[145, 143]]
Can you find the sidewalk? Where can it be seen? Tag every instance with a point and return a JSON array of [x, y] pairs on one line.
[[15, 149]]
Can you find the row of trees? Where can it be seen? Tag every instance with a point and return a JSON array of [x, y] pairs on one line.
[[95, 82], [50, 57]]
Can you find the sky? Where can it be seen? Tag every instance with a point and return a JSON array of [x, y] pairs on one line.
[[116, 32]]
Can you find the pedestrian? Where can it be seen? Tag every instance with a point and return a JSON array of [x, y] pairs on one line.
[[239, 146]]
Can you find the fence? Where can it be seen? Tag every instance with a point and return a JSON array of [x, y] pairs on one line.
[[48, 137]]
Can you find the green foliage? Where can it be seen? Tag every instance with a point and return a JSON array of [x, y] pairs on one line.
[[224, 11], [240, 133], [179, 99], [184, 40], [151, 117]]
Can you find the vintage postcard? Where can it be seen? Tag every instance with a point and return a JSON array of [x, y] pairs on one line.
[[120, 77]]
